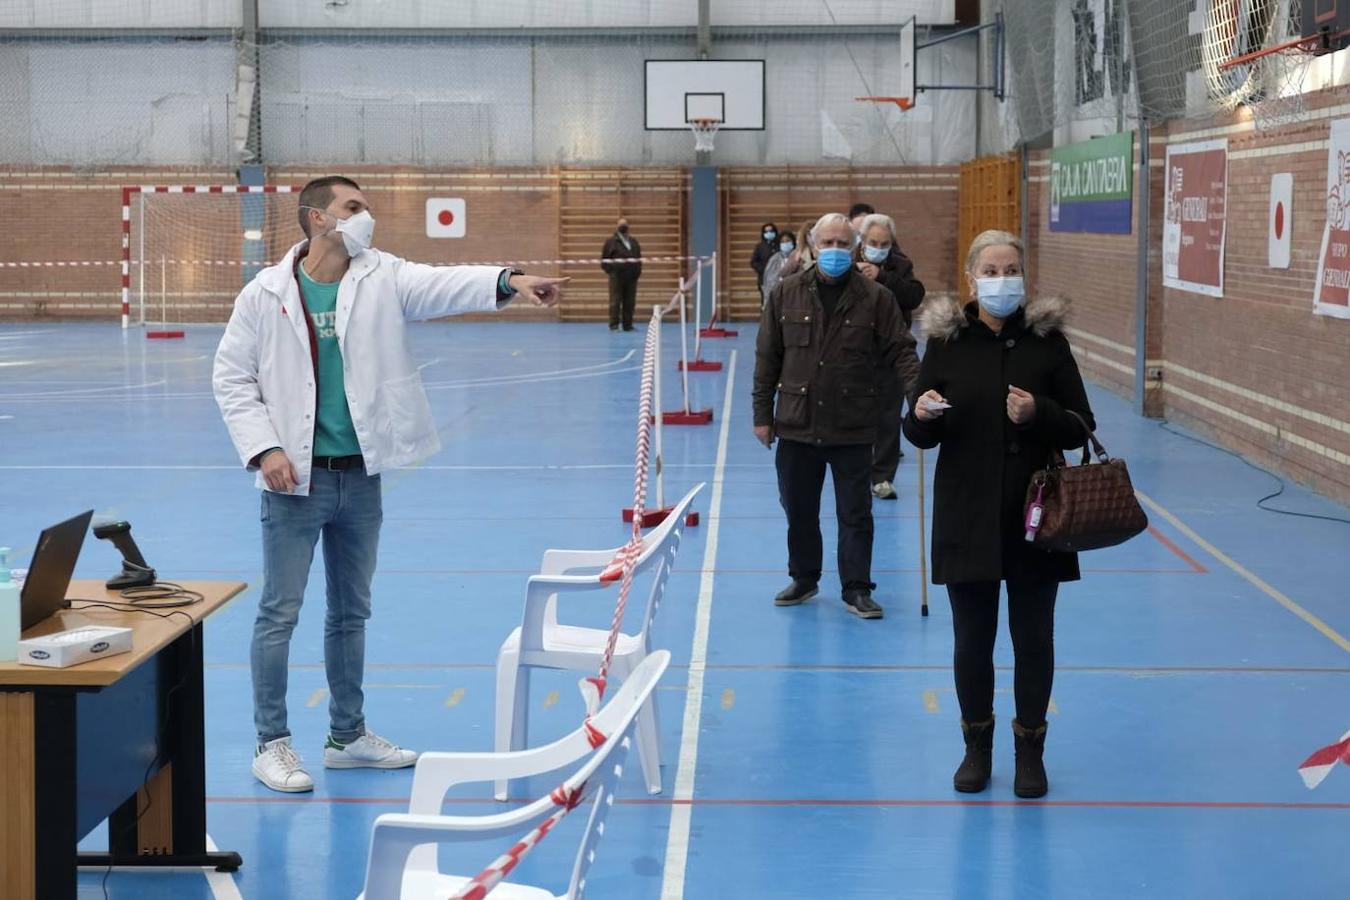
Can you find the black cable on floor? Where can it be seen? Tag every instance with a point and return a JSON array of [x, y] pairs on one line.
[[1261, 503]]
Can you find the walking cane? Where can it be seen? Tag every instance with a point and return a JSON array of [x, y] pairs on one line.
[[923, 554]]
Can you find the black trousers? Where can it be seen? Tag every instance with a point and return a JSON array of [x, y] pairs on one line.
[[801, 477], [886, 451], [622, 300], [1031, 619]]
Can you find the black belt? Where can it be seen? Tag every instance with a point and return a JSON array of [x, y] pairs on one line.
[[339, 463]]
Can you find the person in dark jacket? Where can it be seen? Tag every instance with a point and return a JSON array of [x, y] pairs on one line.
[[824, 334], [623, 276], [881, 260], [997, 388], [764, 251], [857, 212]]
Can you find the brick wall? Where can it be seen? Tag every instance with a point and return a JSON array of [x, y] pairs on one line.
[[1255, 370], [921, 199]]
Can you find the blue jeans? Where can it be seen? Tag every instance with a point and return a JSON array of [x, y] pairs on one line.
[[344, 507]]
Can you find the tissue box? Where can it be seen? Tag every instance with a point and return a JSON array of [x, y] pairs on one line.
[[70, 648]]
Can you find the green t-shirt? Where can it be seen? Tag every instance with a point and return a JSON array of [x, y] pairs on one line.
[[334, 434]]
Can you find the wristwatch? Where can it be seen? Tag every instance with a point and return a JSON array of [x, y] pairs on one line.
[[504, 289]]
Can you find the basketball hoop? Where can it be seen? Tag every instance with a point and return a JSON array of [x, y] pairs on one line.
[[905, 103], [705, 132], [1275, 77]]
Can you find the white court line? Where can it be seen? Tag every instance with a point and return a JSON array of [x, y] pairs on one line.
[[599, 368], [222, 884], [1253, 579], [677, 841], [80, 392]]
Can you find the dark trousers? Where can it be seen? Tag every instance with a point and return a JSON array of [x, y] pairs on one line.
[[886, 451], [622, 300], [801, 477], [1031, 619]]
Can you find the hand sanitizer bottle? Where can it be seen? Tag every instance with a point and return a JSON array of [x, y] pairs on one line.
[[9, 611]]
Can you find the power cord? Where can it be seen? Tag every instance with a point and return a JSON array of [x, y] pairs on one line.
[[170, 595], [1261, 503], [161, 595]]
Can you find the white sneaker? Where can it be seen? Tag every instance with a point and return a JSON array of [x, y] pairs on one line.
[[883, 490], [369, 751], [277, 765]]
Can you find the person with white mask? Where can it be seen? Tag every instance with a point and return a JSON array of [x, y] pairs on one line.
[[880, 259], [320, 394], [999, 391]]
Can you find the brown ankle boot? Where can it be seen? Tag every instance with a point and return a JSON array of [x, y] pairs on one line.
[[1030, 781], [973, 774]]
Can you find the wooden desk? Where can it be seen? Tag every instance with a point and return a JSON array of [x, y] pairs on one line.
[[77, 744]]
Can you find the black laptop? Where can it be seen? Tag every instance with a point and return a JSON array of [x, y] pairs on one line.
[[44, 588]]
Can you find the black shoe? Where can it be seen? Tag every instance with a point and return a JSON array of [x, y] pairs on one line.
[[973, 774], [1030, 781], [614, 328], [795, 594], [628, 328], [861, 604]]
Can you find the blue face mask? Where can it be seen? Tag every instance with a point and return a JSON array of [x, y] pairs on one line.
[[876, 255], [834, 261], [786, 248], [1002, 295], [770, 235]]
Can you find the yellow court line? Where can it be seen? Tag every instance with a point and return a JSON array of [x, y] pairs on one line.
[[1256, 581], [455, 696], [316, 698], [551, 699], [728, 698], [930, 702]]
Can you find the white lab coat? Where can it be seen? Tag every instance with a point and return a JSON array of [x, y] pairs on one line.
[[264, 378]]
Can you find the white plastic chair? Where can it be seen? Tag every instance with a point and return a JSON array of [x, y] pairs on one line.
[[403, 846], [542, 643]]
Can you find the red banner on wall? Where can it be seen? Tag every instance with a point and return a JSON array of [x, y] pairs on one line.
[[1331, 296], [1195, 217]]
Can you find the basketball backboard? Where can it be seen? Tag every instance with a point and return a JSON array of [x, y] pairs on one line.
[[678, 91], [1329, 19], [908, 50]]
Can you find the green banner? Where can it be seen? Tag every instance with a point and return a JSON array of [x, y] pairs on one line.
[[1091, 184]]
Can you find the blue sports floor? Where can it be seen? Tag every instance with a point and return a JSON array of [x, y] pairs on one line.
[[1198, 664]]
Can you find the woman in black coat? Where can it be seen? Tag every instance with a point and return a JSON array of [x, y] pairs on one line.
[[997, 385]]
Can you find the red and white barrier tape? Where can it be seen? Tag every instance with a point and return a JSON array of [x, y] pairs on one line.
[[1317, 767], [593, 688], [566, 799], [82, 263]]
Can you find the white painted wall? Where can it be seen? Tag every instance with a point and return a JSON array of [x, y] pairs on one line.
[[131, 102], [120, 14], [459, 14]]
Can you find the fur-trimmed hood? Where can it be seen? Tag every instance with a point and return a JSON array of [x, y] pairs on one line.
[[945, 316]]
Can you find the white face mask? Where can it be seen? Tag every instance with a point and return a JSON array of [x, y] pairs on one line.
[[1000, 295], [357, 230]]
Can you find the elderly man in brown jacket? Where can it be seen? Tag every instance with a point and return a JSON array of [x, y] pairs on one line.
[[824, 336]]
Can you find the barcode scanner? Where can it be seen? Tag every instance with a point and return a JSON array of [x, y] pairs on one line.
[[135, 571]]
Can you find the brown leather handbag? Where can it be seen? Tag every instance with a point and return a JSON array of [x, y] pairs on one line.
[[1082, 507]]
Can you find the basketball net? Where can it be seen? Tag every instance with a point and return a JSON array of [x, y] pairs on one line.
[[705, 133]]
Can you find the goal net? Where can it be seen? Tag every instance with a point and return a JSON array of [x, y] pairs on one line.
[[189, 250]]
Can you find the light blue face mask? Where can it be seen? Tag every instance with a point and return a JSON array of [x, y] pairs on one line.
[[834, 261], [1000, 296], [770, 234], [786, 247], [876, 255]]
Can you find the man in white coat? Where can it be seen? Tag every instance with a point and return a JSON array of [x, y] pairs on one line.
[[320, 394]]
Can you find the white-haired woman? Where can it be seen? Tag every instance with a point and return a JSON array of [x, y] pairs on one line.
[[880, 259], [997, 388]]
